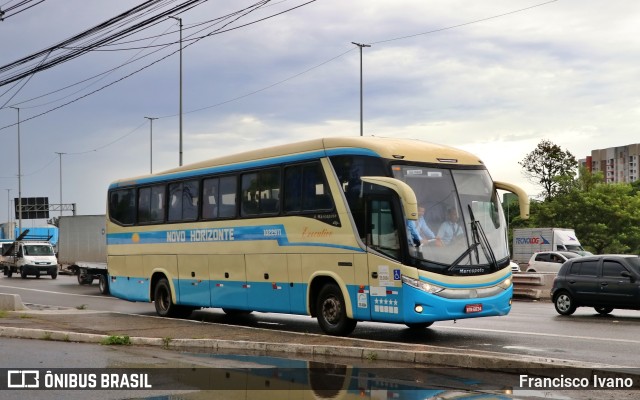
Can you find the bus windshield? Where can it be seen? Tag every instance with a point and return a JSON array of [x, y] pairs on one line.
[[460, 219]]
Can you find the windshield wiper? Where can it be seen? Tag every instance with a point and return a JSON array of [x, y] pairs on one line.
[[479, 239]]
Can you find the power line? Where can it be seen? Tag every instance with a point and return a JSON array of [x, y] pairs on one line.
[[465, 23], [136, 71], [3, 13], [279, 82], [68, 55]]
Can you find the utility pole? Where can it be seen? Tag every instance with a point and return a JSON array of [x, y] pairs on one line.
[[180, 21], [60, 154], [360, 45], [9, 214], [151, 143], [19, 177]]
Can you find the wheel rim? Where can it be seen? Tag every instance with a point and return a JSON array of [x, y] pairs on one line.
[[163, 300], [563, 302], [331, 310]]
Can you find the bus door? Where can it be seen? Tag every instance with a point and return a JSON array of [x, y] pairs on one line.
[[383, 224], [228, 281]]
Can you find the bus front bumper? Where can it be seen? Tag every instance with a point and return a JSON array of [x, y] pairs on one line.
[[421, 306]]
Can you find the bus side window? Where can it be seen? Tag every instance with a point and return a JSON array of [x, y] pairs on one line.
[[306, 189], [227, 199], [183, 201], [261, 192], [210, 193], [249, 199], [122, 206], [151, 204]]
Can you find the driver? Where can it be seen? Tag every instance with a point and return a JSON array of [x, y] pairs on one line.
[[450, 228]]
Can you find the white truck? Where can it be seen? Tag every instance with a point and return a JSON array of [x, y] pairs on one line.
[[29, 256], [82, 248], [527, 241]]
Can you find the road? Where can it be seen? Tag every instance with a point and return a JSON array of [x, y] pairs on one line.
[[532, 328], [193, 376]]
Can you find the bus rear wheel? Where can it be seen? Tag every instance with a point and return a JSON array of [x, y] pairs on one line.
[[332, 312], [165, 307], [103, 284]]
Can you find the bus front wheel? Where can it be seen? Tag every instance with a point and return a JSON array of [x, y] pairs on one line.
[[332, 312]]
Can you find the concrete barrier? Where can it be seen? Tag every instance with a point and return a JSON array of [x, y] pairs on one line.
[[11, 302], [534, 286]]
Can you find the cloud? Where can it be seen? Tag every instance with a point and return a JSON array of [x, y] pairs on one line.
[[495, 88]]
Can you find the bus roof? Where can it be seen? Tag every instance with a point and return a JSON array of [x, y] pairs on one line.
[[389, 148]]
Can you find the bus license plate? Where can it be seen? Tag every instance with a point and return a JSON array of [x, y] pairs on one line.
[[472, 308]]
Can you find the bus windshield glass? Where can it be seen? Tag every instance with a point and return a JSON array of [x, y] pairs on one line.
[[460, 219]]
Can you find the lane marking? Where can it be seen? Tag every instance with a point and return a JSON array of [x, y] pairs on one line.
[[554, 335], [61, 293]]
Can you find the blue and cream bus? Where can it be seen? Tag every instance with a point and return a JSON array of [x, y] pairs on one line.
[[321, 228]]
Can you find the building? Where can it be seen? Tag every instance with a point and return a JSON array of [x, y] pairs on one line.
[[618, 164]]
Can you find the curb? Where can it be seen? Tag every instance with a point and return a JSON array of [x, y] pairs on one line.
[[434, 358]]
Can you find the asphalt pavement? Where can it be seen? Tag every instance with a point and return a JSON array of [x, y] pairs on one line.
[[77, 325]]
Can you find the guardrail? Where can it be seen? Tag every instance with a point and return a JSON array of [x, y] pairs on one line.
[[534, 286]]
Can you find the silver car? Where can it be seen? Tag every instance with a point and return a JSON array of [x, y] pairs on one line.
[[549, 261]]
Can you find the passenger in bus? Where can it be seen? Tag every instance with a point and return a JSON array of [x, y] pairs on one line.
[[450, 228], [424, 231], [419, 231]]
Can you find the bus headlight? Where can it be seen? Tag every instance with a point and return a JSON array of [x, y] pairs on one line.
[[505, 284], [424, 286]]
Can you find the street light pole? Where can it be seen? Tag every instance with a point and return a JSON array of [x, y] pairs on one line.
[[9, 213], [360, 45], [180, 21], [60, 154], [19, 177], [151, 143]]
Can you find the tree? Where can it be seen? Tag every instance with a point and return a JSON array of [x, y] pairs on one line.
[[547, 165], [606, 217]]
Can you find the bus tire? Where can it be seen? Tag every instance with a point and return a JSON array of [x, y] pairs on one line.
[[332, 312], [162, 298], [103, 284], [165, 307]]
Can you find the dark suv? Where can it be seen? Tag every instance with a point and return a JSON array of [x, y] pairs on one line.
[[603, 282]]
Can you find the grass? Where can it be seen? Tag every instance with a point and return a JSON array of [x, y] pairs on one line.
[[82, 307], [3, 314], [116, 340], [371, 356], [166, 342]]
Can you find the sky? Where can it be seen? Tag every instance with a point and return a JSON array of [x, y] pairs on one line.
[[493, 77]]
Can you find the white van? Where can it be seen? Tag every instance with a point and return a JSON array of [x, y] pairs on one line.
[[30, 258]]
